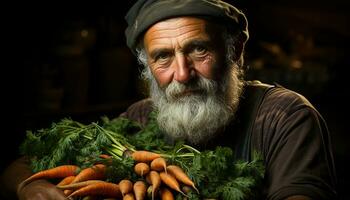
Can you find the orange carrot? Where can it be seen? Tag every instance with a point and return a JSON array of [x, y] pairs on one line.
[[181, 176], [125, 186], [148, 179], [140, 190], [75, 186], [141, 169], [105, 159], [104, 189], [92, 173], [166, 194], [155, 181], [158, 164], [144, 156], [129, 196], [67, 192], [64, 182], [57, 172], [171, 181], [105, 156], [67, 180]]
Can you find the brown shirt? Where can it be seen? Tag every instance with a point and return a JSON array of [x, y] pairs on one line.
[[295, 143], [287, 130]]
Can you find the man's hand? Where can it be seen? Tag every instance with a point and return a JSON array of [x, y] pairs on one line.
[[40, 190]]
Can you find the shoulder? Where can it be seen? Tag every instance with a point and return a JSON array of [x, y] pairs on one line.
[[295, 142], [274, 100], [283, 116], [281, 102], [284, 112], [139, 111]]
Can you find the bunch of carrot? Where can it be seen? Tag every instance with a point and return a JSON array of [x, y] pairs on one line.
[[156, 179]]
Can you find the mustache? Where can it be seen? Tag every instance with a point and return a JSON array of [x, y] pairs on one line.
[[199, 86]]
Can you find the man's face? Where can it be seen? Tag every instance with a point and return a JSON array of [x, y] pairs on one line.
[[181, 49], [194, 89]]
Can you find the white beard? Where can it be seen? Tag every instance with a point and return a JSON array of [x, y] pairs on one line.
[[196, 117]]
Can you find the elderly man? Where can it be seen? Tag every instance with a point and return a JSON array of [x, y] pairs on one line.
[[193, 57], [192, 52]]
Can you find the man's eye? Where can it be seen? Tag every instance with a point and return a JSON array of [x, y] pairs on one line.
[[200, 50], [162, 57]]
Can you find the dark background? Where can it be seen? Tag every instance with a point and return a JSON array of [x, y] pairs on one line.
[[64, 60]]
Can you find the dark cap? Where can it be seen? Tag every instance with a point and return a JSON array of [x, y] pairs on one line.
[[144, 13]]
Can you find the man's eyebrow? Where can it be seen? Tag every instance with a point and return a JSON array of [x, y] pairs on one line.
[[197, 43], [189, 46]]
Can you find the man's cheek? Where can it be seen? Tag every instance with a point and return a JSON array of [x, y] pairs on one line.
[[209, 68], [163, 79]]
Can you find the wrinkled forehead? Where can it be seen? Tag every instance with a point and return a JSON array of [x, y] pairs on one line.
[[182, 29], [177, 27]]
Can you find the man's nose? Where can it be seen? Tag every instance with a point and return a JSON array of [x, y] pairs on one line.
[[184, 70]]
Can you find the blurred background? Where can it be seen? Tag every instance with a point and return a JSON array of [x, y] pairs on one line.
[[69, 60]]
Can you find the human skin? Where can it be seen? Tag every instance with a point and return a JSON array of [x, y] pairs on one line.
[[182, 48], [36, 190]]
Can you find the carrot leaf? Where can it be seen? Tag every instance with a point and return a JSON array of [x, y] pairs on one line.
[[215, 173]]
